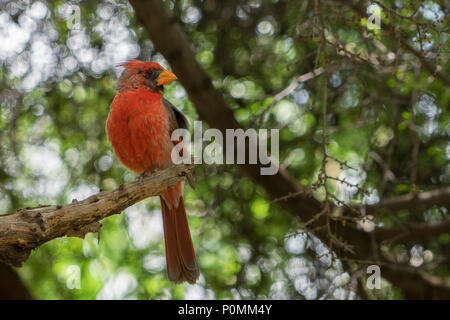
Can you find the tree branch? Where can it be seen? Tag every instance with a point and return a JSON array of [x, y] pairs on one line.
[[413, 201], [415, 283], [28, 228], [413, 231]]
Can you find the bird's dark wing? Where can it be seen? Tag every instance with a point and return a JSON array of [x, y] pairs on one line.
[[176, 114], [178, 120]]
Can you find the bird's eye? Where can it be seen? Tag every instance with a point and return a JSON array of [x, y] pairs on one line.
[[151, 74]]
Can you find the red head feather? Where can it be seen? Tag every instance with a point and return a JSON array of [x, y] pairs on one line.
[[141, 65], [135, 76]]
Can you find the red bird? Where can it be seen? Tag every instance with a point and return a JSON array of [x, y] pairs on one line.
[[139, 127]]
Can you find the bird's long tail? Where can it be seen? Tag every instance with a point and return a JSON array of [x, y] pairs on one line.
[[181, 262]]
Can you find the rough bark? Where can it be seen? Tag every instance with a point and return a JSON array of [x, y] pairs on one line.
[[415, 231], [413, 201], [28, 228]]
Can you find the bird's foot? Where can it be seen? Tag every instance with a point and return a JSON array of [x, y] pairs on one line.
[[189, 177], [141, 177]]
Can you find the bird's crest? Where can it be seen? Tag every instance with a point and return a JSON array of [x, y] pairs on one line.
[[140, 65]]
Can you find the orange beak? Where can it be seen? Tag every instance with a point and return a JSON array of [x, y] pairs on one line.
[[166, 77]]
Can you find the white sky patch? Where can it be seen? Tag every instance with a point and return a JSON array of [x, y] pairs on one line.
[[330, 274], [301, 96], [72, 157], [306, 287], [278, 291], [342, 279], [265, 27], [321, 250], [191, 15], [197, 292], [99, 270], [105, 162], [38, 10], [354, 178], [77, 40], [15, 36], [49, 174], [4, 203], [179, 92], [82, 192], [154, 263], [119, 46], [42, 60], [85, 55], [427, 106], [244, 253], [304, 274], [340, 294], [20, 66], [70, 63], [346, 192], [90, 245], [12, 37], [27, 23], [119, 287], [105, 11], [335, 80], [39, 62], [241, 13], [252, 274], [367, 224], [297, 267], [143, 226], [286, 111], [238, 90], [371, 197], [194, 292], [416, 253], [296, 244], [431, 11]]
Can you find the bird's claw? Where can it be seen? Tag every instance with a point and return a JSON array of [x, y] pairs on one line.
[[189, 177], [141, 177]]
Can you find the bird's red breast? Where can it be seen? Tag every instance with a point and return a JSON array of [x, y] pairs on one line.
[[138, 129]]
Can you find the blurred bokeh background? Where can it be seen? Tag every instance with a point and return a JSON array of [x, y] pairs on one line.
[[388, 119]]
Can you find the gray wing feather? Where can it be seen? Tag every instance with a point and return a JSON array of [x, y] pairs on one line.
[[182, 122], [181, 119]]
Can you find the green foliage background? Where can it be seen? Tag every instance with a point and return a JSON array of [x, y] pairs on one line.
[[53, 143]]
